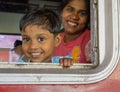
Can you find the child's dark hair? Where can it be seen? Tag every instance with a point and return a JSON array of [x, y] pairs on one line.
[[46, 18]]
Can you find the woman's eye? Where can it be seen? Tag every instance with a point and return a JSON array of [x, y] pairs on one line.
[[25, 40], [69, 9], [82, 13]]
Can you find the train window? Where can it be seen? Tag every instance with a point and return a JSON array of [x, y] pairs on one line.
[[55, 59], [104, 54]]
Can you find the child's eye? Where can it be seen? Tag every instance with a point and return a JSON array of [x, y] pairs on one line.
[[41, 39], [25, 40]]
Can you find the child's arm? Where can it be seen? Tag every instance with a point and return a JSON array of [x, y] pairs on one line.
[[66, 62]]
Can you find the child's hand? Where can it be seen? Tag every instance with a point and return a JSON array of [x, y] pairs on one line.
[[66, 62]]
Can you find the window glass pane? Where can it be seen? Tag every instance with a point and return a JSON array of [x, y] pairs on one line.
[[7, 44], [91, 47]]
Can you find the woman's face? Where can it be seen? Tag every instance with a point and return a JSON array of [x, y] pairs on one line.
[[38, 43], [75, 16]]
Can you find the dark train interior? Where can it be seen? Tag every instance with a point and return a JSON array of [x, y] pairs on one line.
[[23, 6]]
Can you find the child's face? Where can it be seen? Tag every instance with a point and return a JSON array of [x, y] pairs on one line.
[[38, 43], [74, 16]]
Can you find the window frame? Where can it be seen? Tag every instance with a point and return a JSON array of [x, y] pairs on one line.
[[25, 73]]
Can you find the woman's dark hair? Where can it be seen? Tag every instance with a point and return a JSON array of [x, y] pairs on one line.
[[65, 2], [46, 18]]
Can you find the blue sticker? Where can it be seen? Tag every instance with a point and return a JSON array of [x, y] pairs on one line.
[[55, 59]]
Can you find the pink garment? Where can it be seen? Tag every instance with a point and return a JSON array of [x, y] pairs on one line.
[[83, 42]]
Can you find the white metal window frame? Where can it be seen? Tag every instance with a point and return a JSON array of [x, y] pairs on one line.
[[108, 25]]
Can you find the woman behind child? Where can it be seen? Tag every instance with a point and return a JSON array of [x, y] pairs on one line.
[[76, 34], [40, 34]]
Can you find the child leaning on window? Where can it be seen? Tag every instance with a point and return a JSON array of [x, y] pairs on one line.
[[40, 34]]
